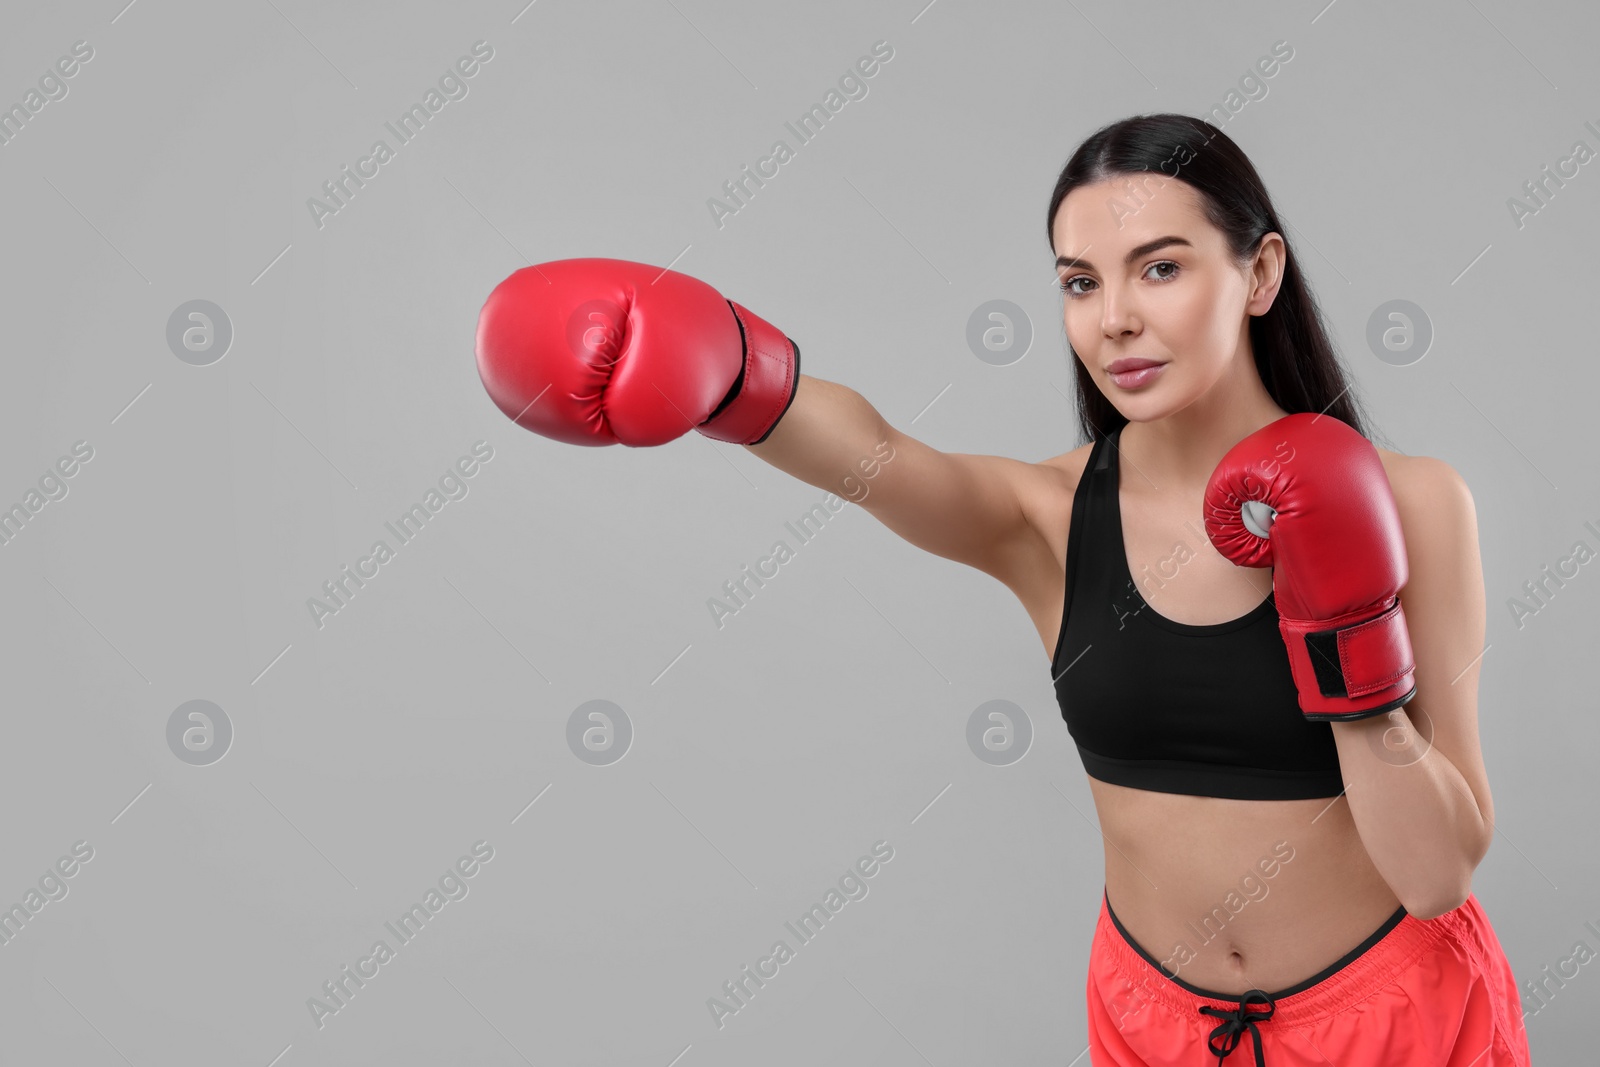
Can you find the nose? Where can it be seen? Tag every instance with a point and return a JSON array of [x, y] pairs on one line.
[[1116, 313]]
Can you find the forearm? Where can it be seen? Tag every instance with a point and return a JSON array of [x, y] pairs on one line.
[[1414, 811], [829, 431]]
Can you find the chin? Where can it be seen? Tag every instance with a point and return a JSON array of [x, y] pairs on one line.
[[1152, 405], [1147, 408]]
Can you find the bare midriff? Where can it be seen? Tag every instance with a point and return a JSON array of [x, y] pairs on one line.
[[1231, 895]]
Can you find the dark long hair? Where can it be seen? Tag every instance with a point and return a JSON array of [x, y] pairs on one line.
[[1297, 362]]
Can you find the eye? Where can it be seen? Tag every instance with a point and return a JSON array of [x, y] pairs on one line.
[[1067, 286]]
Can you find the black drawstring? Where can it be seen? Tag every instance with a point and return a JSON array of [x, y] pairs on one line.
[[1236, 1022]]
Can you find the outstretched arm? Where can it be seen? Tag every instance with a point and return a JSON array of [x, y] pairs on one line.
[[966, 508]]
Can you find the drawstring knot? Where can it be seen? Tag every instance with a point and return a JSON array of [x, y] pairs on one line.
[[1236, 1022]]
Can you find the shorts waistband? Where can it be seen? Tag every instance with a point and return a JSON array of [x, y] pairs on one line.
[[1378, 960]]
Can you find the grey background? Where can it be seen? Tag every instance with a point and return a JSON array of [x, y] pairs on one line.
[[369, 754]]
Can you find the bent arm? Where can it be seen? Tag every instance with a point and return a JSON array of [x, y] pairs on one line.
[[966, 508]]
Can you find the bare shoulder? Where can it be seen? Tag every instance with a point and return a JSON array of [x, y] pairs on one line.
[[1070, 463], [1044, 490], [1060, 474], [1433, 500], [1423, 482]]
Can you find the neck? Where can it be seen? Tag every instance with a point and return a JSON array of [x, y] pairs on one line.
[[1178, 453]]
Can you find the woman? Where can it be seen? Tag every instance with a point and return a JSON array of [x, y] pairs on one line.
[[1292, 882]]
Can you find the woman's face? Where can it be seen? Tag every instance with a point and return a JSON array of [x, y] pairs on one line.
[[1147, 278]]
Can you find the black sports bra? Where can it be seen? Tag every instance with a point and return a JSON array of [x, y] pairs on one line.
[[1207, 710]]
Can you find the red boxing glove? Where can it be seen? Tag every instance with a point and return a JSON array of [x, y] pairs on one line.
[[605, 351], [1307, 496]]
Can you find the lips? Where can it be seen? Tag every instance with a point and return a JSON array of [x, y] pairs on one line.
[[1134, 373], [1123, 365]]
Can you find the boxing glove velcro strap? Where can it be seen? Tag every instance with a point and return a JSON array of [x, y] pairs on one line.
[[1355, 661], [765, 387]]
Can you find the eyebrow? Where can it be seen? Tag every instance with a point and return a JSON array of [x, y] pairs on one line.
[[1143, 250]]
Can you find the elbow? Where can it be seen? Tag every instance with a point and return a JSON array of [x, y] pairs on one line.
[[1431, 896], [1436, 908], [1432, 901], [1439, 900]]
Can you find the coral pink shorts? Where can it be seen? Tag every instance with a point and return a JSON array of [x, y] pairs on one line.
[[1436, 992]]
